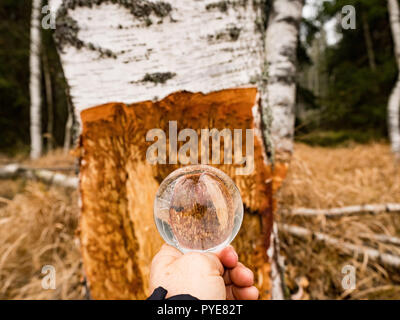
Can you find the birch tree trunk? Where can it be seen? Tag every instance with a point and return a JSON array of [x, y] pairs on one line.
[[35, 82], [49, 102], [368, 41], [281, 47], [281, 42], [394, 99], [68, 125], [133, 66]]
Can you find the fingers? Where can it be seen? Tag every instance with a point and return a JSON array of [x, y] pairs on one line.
[[240, 276], [227, 277], [236, 293], [239, 283], [228, 256], [248, 293]]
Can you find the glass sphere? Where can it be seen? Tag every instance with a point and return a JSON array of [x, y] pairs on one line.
[[198, 208]]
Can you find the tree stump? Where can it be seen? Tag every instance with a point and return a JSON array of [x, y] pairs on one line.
[[201, 64]]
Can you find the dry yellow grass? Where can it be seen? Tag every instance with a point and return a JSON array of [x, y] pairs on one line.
[[325, 178], [38, 226], [57, 158]]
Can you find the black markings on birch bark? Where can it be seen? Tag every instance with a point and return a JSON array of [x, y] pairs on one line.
[[231, 33], [158, 77], [67, 28], [224, 5]]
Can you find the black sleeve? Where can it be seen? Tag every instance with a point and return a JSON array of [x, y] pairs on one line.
[[160, 293]]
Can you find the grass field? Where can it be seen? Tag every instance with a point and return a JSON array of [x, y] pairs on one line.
[[38, 226], [335, 177]]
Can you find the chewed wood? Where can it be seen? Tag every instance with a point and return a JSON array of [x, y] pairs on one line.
[[118, 186]]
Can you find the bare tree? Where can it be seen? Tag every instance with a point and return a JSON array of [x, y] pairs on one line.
[[49, 101], [368, 41], [35, 82], [69, 124], [394, 99]]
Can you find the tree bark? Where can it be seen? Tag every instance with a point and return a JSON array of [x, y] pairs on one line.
[[368, 41], [49, 102], [68, 125], [163, 66], [35, 82], [281, 49], [160, 49], [394, 99]]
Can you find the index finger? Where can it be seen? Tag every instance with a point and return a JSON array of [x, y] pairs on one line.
[[228, 256]]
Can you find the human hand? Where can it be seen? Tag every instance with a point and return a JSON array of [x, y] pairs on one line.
[[238, 279], [202, 275]]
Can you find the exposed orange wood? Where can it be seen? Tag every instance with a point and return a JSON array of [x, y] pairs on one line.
[[118, 185]]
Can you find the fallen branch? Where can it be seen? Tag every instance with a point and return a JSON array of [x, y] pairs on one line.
[[72, 168], [338, 212], [381, 238], [14, 170], [366, 292], [277, 266], [373, 254]]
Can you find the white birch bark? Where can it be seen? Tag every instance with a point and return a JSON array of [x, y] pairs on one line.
[[394, 99], [35, 82], [203, 48], [193, 44], [281, 46]]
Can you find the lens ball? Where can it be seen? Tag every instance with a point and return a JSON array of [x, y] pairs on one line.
[[198, 208]]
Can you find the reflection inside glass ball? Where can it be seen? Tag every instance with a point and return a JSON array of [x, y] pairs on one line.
[[198, 208]]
